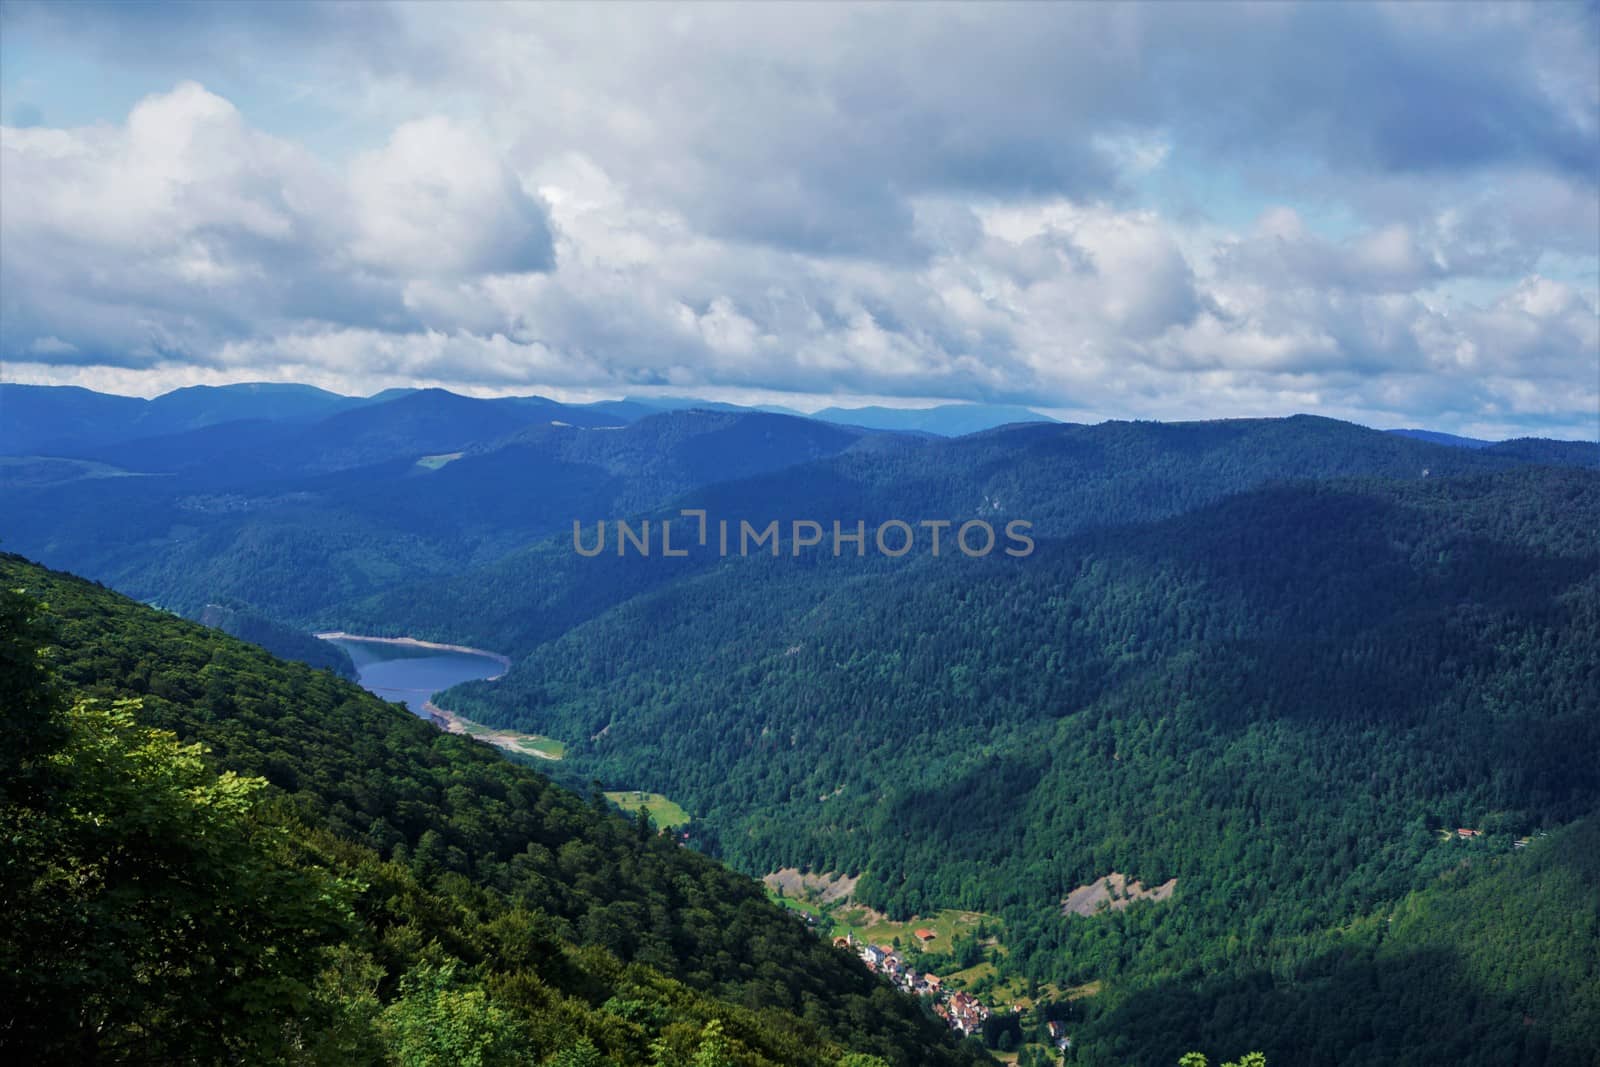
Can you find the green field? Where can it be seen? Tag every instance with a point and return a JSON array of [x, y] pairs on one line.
[[807, 907], [663, 812], [869, 927]]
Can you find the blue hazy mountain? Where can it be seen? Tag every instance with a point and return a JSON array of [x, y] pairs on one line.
[[287, 519], [1439, 438], [398, 424], [637, 407], [946, 420], [33, 416], [47, 419], [207, 405]]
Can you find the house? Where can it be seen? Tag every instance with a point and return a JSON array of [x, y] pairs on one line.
[[1464, 833], [841, 942], [966, 1014], [925, 935], [934, 982]]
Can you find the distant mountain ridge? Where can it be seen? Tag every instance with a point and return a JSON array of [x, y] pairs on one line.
[[36, 418], [293, 516], [39, 420], [1443, 438], [291, 519], [1270, 658], [946, 420]]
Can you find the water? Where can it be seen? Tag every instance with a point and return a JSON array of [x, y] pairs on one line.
[[413, 675]]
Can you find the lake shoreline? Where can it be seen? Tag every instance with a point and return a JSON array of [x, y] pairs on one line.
[[416, 642], [442, 718], [510, 740]]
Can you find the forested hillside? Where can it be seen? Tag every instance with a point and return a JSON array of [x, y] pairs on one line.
[[289, 519], [1497, 961], [1333, 689], [356, 885], [1279, 699], [1062, 479], [282, 641]]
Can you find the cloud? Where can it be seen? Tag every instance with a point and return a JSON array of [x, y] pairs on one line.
[[186, 228], [1397, 205], [51, 346], [437, 200], [155, 34], [814, 127]]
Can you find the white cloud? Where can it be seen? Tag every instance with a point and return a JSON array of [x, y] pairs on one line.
[[971, 202], [438, 200], [185, 229]]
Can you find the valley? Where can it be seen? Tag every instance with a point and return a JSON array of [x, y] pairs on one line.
[[412, 672], [486, 876], [800, 534], [1204, 735]]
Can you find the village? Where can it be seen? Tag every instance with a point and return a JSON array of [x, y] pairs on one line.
[[961, 1011], [947, 959]]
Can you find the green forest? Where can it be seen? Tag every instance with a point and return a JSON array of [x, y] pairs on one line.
[[214, 857], [1280, 700], [1334, 689]]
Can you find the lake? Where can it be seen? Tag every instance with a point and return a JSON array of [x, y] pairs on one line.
[[411, 674]]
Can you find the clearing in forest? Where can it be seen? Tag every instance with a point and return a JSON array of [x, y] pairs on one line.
[[665, 814], [818, 888], [1112, 893]]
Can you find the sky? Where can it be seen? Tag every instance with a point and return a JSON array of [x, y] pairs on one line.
[[1384, 213]]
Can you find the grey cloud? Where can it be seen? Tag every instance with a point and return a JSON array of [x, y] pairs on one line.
[[1400, 88], [153, 34], [929, 202], [814, 127], [811, 127]]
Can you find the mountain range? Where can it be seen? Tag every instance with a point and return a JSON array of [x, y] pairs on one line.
[[1331, 688]]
